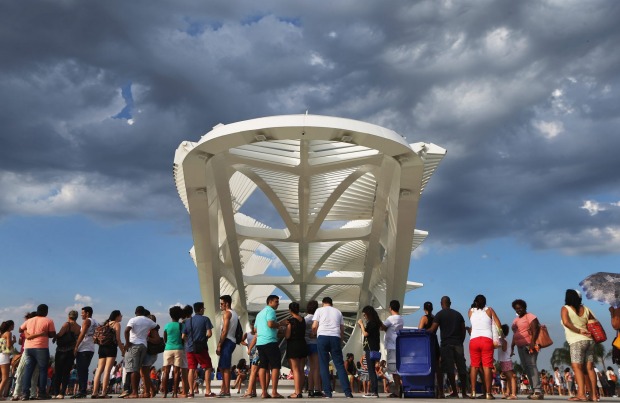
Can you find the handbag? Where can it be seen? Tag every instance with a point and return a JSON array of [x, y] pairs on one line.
[[375, 355], [615, 350], [156, 347], [596, 330], [199, 345], [495, 335], [543, 340]]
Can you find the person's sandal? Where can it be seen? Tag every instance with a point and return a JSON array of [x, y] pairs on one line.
[[489, 396]]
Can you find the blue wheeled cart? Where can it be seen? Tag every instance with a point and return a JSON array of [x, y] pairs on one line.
[[416, 362]]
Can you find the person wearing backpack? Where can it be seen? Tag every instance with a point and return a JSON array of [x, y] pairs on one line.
[[108, 336], [227, 343]]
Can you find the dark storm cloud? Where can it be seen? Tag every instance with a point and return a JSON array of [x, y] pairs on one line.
[[524, 95]]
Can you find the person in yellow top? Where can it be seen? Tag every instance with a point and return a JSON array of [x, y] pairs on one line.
[[575, 318], [615, 317]]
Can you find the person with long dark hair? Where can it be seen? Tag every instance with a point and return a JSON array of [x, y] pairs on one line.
[[426, 322], [575, 318], [296, 348], [371, 345], [7, 339], [107, 355]]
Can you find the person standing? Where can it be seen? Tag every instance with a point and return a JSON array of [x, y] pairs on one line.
[[451, 325], [483, 318], [226, 345], [21, 367], [575, 317], [197, 330], [84, 350], [391, 326], [136, 333], [38, 330], [107, 354], [65, 343], [328, 325], [248, 337], [371, 346], [174, 354], [296, 348], [267, 345], [426, 322], [7, 340], [525, 329], [314, 377]]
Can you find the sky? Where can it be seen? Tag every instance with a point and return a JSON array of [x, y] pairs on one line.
[[97, 96]]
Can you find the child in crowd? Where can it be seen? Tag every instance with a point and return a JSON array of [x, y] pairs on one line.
[[363, 378], [506, 366]]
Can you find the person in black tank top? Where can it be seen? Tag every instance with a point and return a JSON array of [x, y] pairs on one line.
[[296, 348], [426, 322]]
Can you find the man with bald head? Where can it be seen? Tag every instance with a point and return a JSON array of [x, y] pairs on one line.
[[451, 325]]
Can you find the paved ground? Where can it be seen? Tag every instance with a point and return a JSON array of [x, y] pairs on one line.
[[340, 397]]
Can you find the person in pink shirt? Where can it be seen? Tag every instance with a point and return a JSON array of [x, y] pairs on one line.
[[38, 330], [525, 329]]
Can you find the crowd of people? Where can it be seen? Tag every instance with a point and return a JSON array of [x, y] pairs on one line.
[[314, 351]]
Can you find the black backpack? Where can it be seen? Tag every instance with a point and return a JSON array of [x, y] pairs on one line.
[[238, 332]]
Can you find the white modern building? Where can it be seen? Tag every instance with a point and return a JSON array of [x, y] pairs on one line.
[[331, 211]]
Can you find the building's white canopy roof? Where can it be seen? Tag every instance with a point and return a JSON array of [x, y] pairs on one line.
[[346, 192]]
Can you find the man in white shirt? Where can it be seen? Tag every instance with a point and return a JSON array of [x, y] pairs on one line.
[[136, 334], [85, 349], [391, 326], [328, 324]]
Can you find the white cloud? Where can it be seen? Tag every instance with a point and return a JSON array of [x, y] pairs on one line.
[[587, 241], [505, 44], [70, 193], [593, 207], [549, 129], [16, 313], [80, 302], [85, 299], [317, 60]]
